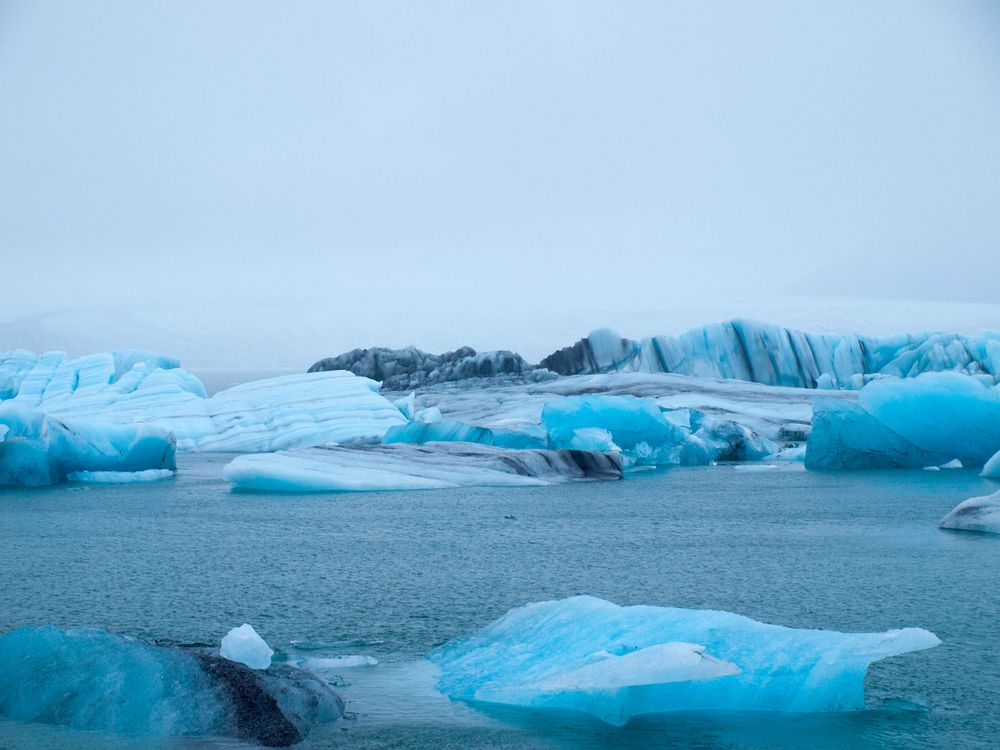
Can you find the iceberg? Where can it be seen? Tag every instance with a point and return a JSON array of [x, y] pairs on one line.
[[138, 388], [587, 654], [975, 514], [405, 369], [37, 450], [243, 645], [931, 420], [90, 679], [773, 355], [453, 431], [405, 466]]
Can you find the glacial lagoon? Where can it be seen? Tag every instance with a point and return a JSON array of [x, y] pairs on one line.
[[388, 576]]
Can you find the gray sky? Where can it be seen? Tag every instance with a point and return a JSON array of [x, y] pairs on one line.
[[508, 153]]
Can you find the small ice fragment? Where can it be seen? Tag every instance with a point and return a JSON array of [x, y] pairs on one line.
[[339, 662], [242, 644]]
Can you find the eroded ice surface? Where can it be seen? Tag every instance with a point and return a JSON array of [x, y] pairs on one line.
[[38, 450], [143, 388], [929, 420], [770, 354], [245, 646], [413, 467], [975, 514], [615, 662], [93, 680], [992, 468]]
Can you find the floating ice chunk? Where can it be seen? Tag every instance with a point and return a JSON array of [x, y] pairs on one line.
[[242, 644], [953, 464], [93, 680], [932, 420], [407, 405], [635, 425], [120, 477], [428, 416], [404, 466], [992, 468], [36, 450], [975, 514], [618, 662]]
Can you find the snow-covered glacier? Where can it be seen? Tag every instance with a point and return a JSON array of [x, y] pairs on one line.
[[403, 466], [773, 355], [587, 654], [138, 388], [90, 679], [908, 423], [38, 450], [975, 514]]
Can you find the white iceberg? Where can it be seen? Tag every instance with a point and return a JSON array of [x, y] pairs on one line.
[[975, 514], [404, 466], [148, 389], [615, 662], [243, 645]]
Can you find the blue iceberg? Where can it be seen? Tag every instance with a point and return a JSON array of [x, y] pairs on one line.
[[773, 355], [453, 431], [929, 420], [90, 679], [614, 662], [37, 450]]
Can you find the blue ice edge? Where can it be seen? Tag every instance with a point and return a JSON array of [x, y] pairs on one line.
[[613, 662], [89, 679]]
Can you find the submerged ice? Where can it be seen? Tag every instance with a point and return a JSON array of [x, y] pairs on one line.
[[94, 680], [614, 662]]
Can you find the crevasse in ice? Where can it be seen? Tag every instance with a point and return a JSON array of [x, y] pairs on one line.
[[614, 662]]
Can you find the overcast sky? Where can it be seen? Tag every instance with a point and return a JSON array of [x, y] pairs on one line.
[[510, 152]]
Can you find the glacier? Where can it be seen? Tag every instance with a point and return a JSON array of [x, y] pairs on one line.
[[139, 388], [38, 450], [975, 514], [90, 679], [586, 654], [929, 420], [405, 466], [774, 355]]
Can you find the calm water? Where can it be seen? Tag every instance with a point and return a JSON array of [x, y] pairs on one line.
[[392, 575]]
